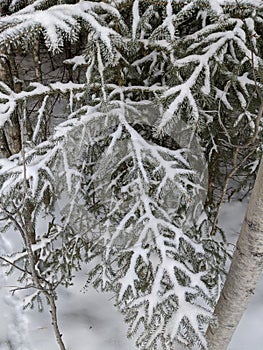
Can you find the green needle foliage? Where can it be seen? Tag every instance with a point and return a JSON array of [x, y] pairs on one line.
[[137, 120]]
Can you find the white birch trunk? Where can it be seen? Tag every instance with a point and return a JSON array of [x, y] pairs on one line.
[[245, 271]]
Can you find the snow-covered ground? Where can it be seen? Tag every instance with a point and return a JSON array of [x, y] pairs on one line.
[[89, 321]]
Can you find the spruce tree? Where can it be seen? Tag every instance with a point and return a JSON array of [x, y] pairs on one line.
[[109, 113]]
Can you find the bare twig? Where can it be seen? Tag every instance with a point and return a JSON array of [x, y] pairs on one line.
[[22, 221], [15, 265]]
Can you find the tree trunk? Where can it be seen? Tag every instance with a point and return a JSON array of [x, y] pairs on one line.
[[245, 271], [4, 148], [10, 135]]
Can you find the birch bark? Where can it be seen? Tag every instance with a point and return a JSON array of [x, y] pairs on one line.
[[245, 271]]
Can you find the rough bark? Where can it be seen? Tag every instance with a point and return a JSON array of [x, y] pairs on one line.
[[4, 148], [13, 133], [37, 61], [245, 271], [10, 134]]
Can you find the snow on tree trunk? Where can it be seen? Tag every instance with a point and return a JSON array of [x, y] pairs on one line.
[[245, 271]]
